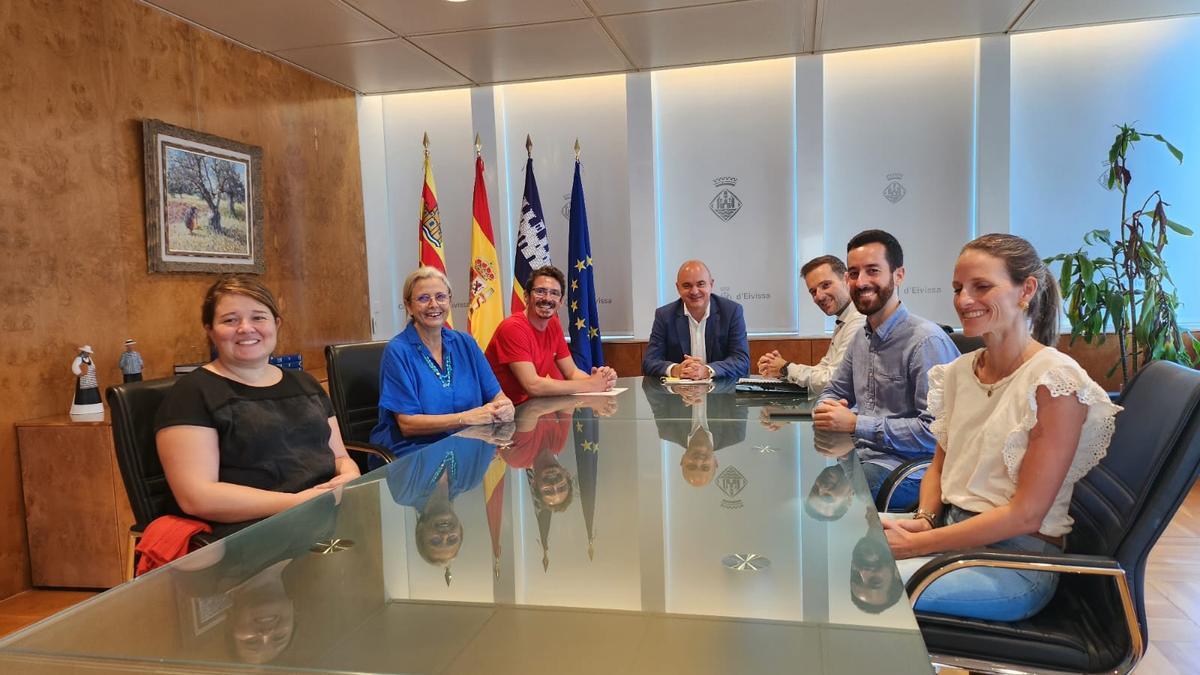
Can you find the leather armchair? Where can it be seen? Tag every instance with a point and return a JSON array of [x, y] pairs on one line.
[[1096, 621], [133, 407], [353, 371]]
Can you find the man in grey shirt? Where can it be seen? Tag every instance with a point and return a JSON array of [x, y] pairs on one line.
[[879, 391]]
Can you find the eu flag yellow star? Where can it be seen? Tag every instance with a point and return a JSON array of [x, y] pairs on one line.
[[587, 445], [593, 332], [579, 426], [590, 261], [580, 323], [574, 284], [579, 264], [574, 305]]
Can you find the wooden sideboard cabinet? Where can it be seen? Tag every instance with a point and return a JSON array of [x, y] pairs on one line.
[[76, 510]]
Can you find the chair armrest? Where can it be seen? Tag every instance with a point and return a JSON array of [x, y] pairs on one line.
[[1069, 563], [370, 449], [883, 500], [1065, 563]]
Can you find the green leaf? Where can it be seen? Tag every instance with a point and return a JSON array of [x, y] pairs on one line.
[[1185, 231], [1086, 268], [1064, 280], [1170, 148]]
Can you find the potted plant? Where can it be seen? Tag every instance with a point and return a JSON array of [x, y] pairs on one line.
[[1128, 286]]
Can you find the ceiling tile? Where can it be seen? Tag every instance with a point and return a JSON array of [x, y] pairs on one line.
[[1063, 13], [527, 52], [437, 16], [271, 25], [376, 67], [711, 33], [604, 7], [867, 23]]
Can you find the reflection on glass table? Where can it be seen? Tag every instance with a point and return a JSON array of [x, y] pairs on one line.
[[691, 544]]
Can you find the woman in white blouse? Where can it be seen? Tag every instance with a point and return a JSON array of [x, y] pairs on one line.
[[1018, 423]]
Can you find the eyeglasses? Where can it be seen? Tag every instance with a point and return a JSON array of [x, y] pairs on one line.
[[441, 298], [546, 292]]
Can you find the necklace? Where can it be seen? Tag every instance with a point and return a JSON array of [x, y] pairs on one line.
[[990, 388], [445, 377]]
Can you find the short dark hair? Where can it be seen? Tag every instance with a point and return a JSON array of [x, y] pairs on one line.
[[895, 254], [547, 271], [835, 264]]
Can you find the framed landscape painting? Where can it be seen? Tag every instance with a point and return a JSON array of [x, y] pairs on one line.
[[203, 201]]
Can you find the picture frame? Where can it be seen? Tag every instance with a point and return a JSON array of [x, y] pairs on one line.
[[203, 202]]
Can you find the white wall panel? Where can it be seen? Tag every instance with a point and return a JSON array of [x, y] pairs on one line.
[[446, 116], [1069, 87], [899, 138], [555, 114], [726, 183]]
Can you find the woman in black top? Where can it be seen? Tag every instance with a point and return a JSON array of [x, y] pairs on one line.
[[240, 439]]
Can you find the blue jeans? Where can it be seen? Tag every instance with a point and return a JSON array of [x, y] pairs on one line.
[[987, 592], [905, 497]]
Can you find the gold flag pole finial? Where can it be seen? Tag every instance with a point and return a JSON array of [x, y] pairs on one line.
[[425, 142], [529, 146], [576, 149], [477, 145], [448, 575]]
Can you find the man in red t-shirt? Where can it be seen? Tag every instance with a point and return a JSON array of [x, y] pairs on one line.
[[528, 352]]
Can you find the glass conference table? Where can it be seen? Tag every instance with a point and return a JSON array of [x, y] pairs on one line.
[[657, 531]]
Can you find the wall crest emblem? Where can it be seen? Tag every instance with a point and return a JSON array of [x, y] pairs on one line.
[[731, 482], [895, 190], [725, 204]]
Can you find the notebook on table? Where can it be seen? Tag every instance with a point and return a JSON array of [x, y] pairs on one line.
[[768, 385]]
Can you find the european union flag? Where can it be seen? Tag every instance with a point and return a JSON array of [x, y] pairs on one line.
[[581, 286]]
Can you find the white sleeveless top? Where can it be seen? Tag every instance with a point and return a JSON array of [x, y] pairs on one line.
[[985, 437]]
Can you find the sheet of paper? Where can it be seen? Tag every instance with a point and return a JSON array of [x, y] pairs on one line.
[[678, 380], [611, 392]]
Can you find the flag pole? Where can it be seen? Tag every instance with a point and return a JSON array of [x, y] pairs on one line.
[[529, 146], [477, 146], [425, 142]]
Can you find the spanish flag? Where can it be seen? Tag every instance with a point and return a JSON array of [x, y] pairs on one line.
[[493, 500], [485, 310], [430, 232]]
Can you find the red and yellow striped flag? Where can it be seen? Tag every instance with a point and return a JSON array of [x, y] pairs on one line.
[[485, 310], [493, 500], [430, 230]]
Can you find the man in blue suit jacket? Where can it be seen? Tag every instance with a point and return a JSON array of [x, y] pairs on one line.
[[699, 335]]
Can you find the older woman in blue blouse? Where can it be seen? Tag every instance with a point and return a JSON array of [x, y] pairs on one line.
[[433, 379]]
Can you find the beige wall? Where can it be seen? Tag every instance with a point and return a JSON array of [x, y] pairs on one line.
[[76, 79]]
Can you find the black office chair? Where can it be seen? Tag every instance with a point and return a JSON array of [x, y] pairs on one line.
[[133, 407], [887, 489], [353, 371], [1097, 619]]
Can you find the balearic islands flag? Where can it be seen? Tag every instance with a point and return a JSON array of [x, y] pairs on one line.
[[581, 286], [533, 243], [430, 230], [485, 310]]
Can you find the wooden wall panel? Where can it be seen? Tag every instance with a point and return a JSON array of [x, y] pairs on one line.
[[625, 357], [76, 79]]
